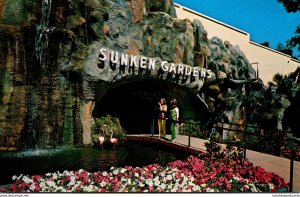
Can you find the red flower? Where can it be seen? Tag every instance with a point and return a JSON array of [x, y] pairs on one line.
[[229, 175], [37, 187], [24, 184], [243, 171]]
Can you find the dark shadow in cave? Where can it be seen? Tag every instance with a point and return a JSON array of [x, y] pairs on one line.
[[134, 103]]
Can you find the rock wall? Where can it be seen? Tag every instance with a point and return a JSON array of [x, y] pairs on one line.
[[49, 69], [38, 107]]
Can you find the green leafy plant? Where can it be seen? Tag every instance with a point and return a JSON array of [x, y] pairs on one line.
[[113, 123]]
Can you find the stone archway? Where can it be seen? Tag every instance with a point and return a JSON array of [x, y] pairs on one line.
[[134, 102]]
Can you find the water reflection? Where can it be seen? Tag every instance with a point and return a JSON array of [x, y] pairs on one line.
[[92, 159], [113, 160]]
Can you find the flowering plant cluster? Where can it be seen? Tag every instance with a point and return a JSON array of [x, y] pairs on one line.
[[227, 175], [286, 152], [195, 174]]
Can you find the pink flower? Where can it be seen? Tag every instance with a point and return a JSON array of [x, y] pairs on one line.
[[151, 189], [245, 188], [228, 186]]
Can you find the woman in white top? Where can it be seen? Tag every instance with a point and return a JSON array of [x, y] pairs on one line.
[[174, 116]]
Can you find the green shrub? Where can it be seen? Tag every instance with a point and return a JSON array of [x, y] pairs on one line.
[[112, 123]]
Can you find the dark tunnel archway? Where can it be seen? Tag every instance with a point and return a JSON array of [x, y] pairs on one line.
[[134, 103]]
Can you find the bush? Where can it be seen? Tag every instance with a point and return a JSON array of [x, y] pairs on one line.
[[112, 123]]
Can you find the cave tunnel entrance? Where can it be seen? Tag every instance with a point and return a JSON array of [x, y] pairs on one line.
[[134, 103]]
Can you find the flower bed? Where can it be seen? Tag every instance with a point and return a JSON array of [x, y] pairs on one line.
[[195, 174], [287, 153]]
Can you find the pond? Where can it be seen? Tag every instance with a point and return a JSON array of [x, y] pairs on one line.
[[40, 161]]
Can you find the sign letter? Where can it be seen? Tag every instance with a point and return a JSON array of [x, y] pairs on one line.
[[102, 52]]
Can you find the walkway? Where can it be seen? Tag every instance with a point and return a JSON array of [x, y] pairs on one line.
[[277, 165]]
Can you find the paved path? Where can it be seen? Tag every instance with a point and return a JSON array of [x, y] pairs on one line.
[[277, 165]]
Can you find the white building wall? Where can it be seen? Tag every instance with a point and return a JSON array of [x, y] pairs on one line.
[[269, 61]]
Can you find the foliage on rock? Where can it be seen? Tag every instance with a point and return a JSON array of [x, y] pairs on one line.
[[111, 123]]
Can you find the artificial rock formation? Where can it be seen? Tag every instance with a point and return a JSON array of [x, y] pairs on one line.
[[51, 77]]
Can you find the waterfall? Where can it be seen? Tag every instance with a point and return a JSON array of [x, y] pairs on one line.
[[43, 31], [68, 119], [29, 138]]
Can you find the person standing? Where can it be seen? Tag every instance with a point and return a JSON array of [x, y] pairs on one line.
[[174, 116], [163, 108]]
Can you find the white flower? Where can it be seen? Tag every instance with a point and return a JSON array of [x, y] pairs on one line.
[[104, 173], [54, 176], [50, 183], [27, 180], [59, 189], [89, 188], [156, 182], [203, 185], [196, 188], [192, 179], [186, 190], [14, 177], [20, 176], [163, 186], [81, 171], [209, 190], [136, 174], [72, 182], [169, 177], [236, 178], [115, 172], [129, 181], [123, 170], [141, 184], [174, 189], [102, 184], [252, 187], [149, 182], [271, 186], [32, 187], [42, 184], [67, 173]]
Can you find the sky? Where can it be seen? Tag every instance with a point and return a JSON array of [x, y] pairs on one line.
[[265, 20]]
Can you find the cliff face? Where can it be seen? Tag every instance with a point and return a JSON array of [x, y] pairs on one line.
[[50, 72], [37, 105]]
